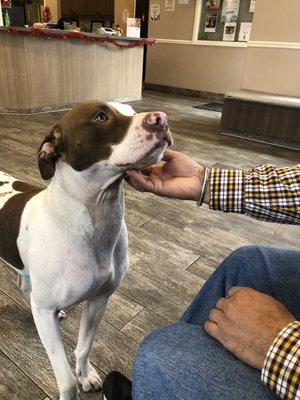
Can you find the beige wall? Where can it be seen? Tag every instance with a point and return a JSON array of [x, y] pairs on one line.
[[221, 69], [276, 21], [274, 70], [207, 68], [173, 25]]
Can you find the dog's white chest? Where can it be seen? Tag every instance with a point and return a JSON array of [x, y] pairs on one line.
[[68, 261]]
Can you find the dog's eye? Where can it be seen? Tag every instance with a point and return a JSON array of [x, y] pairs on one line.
[[101, 117]]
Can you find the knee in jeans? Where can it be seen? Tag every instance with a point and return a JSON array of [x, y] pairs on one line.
[[246, 254], [152, 346], [151, 342], [244, 257]]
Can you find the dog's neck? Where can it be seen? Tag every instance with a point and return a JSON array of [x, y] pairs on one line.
[[92, 201], [100, 183]]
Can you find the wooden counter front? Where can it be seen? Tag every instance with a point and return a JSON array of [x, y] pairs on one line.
[[38, 74]]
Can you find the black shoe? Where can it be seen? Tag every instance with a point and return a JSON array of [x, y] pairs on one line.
[[116, 387]]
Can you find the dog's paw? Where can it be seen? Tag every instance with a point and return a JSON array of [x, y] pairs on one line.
[[91, 381]]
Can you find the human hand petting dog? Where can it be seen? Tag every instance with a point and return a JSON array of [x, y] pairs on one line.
[[246, 322], [178, 177]]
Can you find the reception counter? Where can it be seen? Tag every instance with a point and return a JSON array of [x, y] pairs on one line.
[[53, 70]]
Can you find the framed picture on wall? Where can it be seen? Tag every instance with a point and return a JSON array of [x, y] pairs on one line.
[[213, 4], [211, 21]]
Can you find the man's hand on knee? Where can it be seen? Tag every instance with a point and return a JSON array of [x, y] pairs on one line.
[[246, 323]]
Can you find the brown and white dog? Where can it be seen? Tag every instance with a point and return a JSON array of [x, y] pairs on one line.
[[68, 242]]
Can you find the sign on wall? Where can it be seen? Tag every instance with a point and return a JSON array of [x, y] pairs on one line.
[[183, 1], [133, 27], [155, 12], [229, 31], [125, 14], [245, 30], [252, 6], [170, 5]]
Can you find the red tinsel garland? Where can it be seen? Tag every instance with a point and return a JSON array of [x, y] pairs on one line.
[[79, 36]]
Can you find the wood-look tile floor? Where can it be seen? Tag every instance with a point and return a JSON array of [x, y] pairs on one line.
[[174, 247]]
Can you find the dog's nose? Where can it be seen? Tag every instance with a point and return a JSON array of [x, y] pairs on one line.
[[158, 120]]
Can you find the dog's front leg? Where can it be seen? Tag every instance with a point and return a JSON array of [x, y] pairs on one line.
[[92, 314], [47, 325]]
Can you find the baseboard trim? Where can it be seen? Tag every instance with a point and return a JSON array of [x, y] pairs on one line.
[[57, 108], [202, 94]]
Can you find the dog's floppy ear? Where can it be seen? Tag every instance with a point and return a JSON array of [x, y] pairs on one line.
[[49, 152]]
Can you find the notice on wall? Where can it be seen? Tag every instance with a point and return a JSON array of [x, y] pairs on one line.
[[213, 4], [170, 5], [230, 10], [183, 1], [229, 31], [133, 27], [245, 30], [155, 12], [210, 24], [125, 14], [252, 6]]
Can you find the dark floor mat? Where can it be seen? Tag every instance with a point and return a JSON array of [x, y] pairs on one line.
[[217, 107]]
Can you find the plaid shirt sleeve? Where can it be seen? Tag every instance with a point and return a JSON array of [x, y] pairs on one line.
[[281, 370], [266, 192]]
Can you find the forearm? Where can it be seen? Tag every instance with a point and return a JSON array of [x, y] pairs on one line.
[[266, 193], [281, 371]]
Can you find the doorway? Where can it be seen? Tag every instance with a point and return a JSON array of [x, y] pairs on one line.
[[142, 12]]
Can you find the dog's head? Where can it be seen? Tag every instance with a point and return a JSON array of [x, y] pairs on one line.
[[111, 132]]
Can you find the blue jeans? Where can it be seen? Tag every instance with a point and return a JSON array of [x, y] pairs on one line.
[[182, 362]]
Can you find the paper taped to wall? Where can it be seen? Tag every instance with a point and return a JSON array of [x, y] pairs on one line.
[[245, 30], [155, 12], [170, 5]]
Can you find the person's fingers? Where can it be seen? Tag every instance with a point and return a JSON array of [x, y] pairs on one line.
[[170, 154], [147, 171], [216, 315], [140, 182], [132, 183], [212, 329], [132, 173], [234, 290], [221, 303]]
